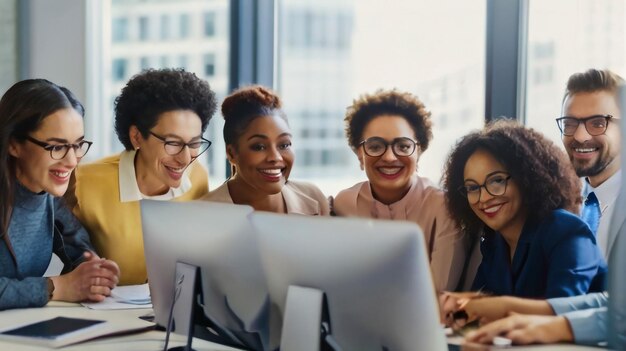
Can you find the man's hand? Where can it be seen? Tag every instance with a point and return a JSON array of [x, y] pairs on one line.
[[524, 329]]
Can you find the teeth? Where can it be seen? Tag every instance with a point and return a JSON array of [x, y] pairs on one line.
[[585, 150], [176, 170], [61, 174], [389, 170], [273, 171], [492, 209]]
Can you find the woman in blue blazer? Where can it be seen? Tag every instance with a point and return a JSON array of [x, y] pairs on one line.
[[515, 187]]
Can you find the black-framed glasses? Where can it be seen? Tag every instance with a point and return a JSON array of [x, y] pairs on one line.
[[59, 151], [495, 185], [174, 147], [595, 125], [377, 146]]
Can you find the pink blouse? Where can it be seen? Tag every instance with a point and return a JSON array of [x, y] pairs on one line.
[[423, 204]]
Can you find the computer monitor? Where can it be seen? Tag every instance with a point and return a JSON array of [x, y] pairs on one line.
[[219, 239], [375, 275]]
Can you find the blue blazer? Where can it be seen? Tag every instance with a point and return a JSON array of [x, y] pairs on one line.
[[556, 256]]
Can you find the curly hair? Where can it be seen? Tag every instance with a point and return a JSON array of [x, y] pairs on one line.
[[244, 105], [540, 169], [152, 92], [388, 102]]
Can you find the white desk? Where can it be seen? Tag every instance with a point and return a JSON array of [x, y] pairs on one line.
[[143, 340], [457, 340], [152, 339]]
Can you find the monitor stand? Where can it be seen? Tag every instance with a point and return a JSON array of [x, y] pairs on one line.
[[181, 317], [306, 323], [187, 316]]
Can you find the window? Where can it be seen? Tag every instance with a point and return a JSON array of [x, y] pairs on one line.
[[209, 65], [209, 24], [184, 25], [165, 27], [120, 29], [331, 54], [119, 69], [565, 37], [144, 28], [144, 63]]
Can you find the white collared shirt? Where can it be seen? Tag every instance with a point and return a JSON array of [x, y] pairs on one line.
[[607, 194], [129, 189]]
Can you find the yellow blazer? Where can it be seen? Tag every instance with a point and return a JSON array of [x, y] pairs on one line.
[[114, 226]]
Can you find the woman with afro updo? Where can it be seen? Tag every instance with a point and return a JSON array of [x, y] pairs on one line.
[[259, 148]]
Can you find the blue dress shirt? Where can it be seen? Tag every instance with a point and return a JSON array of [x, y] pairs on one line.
[[556, 256]]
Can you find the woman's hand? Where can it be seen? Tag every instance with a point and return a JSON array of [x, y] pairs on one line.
[[453, 302], [92, 280]]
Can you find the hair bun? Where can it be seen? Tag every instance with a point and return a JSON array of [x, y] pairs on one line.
[[252, 99]]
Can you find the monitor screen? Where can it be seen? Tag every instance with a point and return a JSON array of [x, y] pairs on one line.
[[375, 275], [217, 238]]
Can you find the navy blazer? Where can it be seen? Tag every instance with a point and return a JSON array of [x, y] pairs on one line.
[[556, 256]]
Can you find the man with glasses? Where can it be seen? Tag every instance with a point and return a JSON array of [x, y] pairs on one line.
[[590, 127], [591, 137], [160, 118]]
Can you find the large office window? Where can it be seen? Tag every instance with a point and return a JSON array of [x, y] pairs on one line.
[[331, 51], [146, 34], [564, 37]]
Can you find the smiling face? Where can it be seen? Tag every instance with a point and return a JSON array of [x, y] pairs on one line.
[[503, 213], [389, 175], [596, 157], [35, 168], [263, 156], [155, 169]]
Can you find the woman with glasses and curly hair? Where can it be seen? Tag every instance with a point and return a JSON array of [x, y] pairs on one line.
[[514, 187], [41, 142], [160, 117], [388, 131]]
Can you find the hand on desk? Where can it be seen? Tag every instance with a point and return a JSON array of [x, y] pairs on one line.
[[457, 308], [92, 280], [486, 309], [524, 329]]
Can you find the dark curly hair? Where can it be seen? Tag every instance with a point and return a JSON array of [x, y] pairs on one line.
[[244, 105], [541, 170], [388, 102], [152, 92]]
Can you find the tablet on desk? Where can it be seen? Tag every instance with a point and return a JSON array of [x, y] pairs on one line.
[[53, 332]]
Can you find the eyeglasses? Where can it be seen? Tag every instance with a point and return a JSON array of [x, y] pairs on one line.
[[595, 125], [173, 148], [59, 151], [377, 146], [495, 184]]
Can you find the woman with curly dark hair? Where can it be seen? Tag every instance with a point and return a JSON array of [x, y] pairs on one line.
[[516, 187], [160, 117], [388, 131], [258, 147]]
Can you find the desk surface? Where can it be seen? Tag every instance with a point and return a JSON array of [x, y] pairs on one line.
[[152, 339], [143, 340]]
